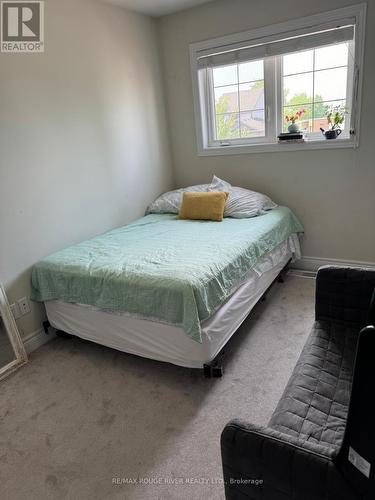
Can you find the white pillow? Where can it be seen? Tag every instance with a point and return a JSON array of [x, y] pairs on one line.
[[242, 203], [170, 202]]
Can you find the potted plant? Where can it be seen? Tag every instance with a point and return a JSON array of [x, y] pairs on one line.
[[335, 117], [293, 127]]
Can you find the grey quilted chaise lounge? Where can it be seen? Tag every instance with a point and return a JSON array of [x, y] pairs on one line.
[[320, 441]]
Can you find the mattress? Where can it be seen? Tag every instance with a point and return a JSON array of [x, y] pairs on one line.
[[174, 271], [165, 342]]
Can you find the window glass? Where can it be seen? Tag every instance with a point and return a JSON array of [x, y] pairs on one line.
[[239, 107], [226, 99], [330, 84], [251, 71], [251, 95], [298, 89], [315, 82], [227, 126], [299, 62], [225, 75], [252, 123], [331, 56]]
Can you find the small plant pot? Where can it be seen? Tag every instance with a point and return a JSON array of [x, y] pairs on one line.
[[332, 134], [293, 128]]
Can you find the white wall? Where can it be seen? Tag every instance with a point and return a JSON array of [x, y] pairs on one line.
[[83, 142], [331, 191]]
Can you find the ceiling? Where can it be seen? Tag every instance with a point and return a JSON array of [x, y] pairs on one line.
[[158, 7]]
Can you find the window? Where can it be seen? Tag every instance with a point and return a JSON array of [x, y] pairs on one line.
[[246, 84], [316, 81], [239, 100]]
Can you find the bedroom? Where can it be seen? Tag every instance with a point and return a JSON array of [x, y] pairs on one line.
[[95, 128]]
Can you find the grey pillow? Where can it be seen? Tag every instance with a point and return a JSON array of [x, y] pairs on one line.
[[242, 203], [170, 202]]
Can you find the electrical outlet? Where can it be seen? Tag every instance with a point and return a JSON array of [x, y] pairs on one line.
[[23, 305], [15, 311]]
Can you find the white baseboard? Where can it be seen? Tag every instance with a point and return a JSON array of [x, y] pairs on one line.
[[36, 339], [312, 264]]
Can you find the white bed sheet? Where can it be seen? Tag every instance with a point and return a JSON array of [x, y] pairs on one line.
[[165, 342]]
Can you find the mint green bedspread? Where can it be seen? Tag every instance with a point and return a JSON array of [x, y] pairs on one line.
[[162, 268]]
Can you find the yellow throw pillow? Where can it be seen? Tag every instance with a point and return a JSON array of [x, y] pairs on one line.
[[203, 206]]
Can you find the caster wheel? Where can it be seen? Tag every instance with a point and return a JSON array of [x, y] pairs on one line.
[[217, 371]]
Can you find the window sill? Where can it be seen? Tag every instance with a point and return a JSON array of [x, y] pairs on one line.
[[276, 147]]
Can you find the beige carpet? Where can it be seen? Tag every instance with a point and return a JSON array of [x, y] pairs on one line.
[[80, 417]]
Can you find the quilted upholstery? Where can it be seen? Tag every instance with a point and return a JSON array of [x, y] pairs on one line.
[[315, 403], [301, 455]]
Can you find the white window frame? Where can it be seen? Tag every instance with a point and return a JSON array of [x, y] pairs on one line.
[[203, 98], [270, 124]]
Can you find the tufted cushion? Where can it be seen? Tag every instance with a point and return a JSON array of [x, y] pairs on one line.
[[315, 402]]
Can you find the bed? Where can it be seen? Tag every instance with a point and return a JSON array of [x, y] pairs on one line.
[[167, 289]]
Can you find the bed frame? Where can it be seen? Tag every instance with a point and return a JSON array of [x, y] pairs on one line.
[[215, 368]]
